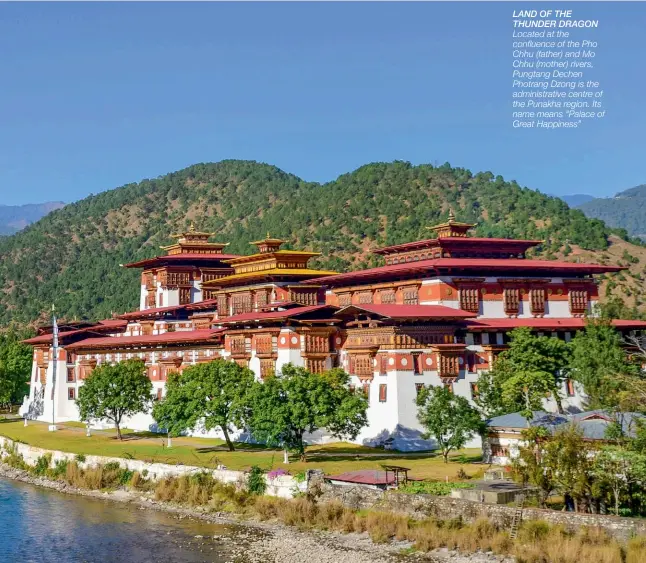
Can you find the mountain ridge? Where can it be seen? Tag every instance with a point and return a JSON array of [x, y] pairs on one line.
[[14, 218], [626, 209], [71, 257]]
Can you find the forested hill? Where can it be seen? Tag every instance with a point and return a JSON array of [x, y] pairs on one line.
[[71, 257], [627, 210]]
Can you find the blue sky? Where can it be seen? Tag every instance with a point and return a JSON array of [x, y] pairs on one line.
[[93, 96]]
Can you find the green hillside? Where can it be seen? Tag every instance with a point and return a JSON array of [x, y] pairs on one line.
[[625, 210], [71, 257]]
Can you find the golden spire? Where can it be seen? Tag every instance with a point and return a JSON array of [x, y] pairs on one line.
[[451, 215], [191, 228]]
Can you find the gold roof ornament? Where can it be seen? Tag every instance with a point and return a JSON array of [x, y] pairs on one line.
[[451, 228], [194, 240]]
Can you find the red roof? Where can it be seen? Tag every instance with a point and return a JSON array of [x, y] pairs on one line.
[[545, 323], [188, 257], [200, 305], [140, 314], [101, 326], [447, 241], [273, 315], [175, 337], [424, 267], [409, 311], [365, 477]]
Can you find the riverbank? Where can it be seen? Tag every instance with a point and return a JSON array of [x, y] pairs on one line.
[[269, 542]]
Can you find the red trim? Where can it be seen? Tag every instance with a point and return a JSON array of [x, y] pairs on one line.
[[154, 312], [179, 337], [158, 261], [423, 267], [544, 323], [459, 241], [408, 311], [274, 315]]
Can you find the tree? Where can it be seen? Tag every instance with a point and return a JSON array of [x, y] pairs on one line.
[[448, 418], [15, 366], [532, 367], [599, 362], [567, 457], [529, 463], [288, 405], [116, 391], [214, 395], [618, 469]]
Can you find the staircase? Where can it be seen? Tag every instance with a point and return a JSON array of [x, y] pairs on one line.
[[518, 516]]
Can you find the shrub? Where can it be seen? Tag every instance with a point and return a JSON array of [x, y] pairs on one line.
[[60, 468], [80, 458], [42, 464], [437, 488], [256, 483]]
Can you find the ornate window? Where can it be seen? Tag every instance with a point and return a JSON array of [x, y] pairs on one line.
[[264, 344], [315, 365], [71, 393], [238, 345], [383, 364], [383, 392], [223, 305], [387, 296], [241, 303], [578, 299], [345, 299], [366, 390], [365, 297], [411, 296], [184, 295], [537, 301], [470, 299], [261, 299], [417, 364], [70, 375], [511, 300]]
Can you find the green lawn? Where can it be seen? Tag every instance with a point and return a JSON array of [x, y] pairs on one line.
[[206, 452]]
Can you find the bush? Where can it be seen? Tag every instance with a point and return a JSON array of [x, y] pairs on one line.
[[42, 464], [80, 458], [256, 483], [437, 488]]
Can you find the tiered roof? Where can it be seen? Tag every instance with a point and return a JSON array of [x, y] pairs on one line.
[[270, 263], [454, 252], [192, 247]]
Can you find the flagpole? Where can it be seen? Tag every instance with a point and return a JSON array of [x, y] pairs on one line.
[[52, 428]]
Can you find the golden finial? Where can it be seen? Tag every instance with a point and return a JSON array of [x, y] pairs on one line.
[[268, 235], [191, 228], [451, 215]]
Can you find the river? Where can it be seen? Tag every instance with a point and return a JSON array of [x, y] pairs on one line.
[[42, 526]]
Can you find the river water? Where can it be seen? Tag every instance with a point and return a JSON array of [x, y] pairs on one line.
[[42, 526]]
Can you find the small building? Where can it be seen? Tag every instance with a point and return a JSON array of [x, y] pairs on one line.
[[504, 433]]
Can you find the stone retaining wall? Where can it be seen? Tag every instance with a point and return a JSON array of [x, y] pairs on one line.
[[424, 506], [283, 486]]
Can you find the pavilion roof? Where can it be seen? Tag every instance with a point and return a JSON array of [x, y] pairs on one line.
[[292, 313], [155, 312], [406, 312], [441, 266], [483, 242], [269, 274], [214, 259], [176, 337], [101, 327]]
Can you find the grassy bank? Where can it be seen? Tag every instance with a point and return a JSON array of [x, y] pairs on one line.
[[204, 452], [537, 542]]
